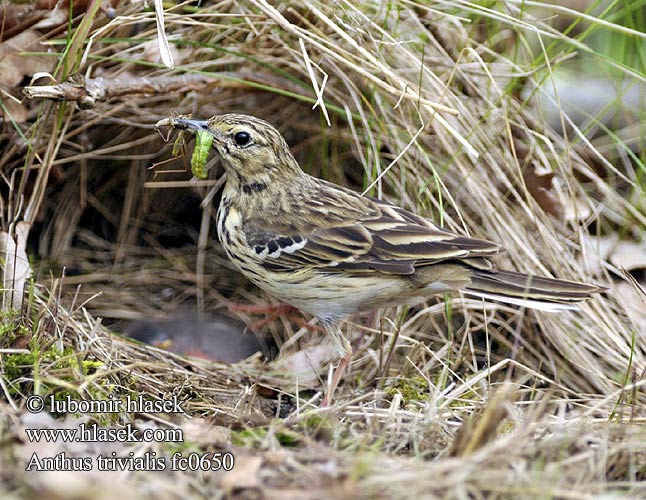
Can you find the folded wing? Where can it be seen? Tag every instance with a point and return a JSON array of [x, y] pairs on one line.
[[381, 238]]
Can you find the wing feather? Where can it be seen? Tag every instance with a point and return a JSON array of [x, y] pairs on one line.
[[371, 236]]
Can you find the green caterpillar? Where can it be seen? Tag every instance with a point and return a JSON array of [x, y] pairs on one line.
[[203, 141]]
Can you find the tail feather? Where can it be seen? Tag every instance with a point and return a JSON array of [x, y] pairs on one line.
[[547, 294]]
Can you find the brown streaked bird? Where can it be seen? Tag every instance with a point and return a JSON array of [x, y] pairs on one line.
[[331, 252]]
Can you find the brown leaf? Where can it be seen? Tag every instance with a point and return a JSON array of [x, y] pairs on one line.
[[307, 365], [55, 17], [539, 185], [11, 16], [15, 111], [15, 64], [243, 475], [546, 188], [202, 432]]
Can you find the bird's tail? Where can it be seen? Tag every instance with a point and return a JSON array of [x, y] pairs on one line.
[[547, 294]]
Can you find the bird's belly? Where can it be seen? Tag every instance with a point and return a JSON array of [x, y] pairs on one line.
[[334, 296]]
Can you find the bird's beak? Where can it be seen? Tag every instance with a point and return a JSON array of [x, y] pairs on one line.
[[187, 124]]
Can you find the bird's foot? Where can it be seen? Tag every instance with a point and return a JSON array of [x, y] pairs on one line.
[[272, 313], [336, 378]]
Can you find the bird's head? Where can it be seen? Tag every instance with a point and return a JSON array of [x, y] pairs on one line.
[[252, 150]]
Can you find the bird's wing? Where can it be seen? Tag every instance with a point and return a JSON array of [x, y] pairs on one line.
[[380, 237]]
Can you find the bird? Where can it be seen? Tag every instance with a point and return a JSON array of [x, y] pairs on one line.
[[216, 337], [331, 252]]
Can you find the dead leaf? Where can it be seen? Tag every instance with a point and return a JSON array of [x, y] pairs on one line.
[[55, 17], [14, 111], [549, 192], [15, 64], [152, 50], [575, 209], [539, 185], [308, 364], [596, 250], [245, 474], [200, 431], [12, 15]]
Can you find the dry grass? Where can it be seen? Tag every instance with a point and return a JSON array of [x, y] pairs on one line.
[[452, 399]]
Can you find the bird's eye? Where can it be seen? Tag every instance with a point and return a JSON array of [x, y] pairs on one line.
[[242, 138]]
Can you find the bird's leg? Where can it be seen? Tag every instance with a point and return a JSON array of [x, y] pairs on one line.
[[336, 378], [344, 349], [272, 312], [267, 308]]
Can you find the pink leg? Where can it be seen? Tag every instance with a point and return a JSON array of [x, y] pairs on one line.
[[272, 313], [266, 309], [336, 378]]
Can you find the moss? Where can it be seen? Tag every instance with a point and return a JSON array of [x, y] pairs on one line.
[[11, 328], [288, 438], [250, 437], [254, 437], [24, 364], [185, 447], [20, 369], [319, 426], [15, 366], [413, 388]]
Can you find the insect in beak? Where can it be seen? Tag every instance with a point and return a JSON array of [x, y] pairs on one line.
[[204, 137]]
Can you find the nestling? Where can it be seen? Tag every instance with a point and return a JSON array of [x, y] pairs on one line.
[[331, 252]]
